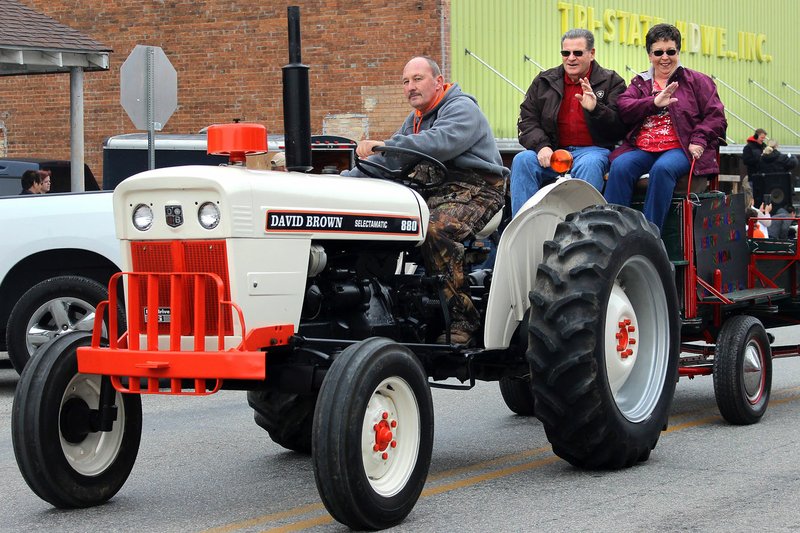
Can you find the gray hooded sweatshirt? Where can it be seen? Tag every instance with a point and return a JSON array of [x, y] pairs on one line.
[[455, 132]]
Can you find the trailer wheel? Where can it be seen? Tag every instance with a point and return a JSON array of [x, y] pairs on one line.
[[742, 370], [373, 434], [518, 395], [51, 308], [287, 417], [62, 459], [604, 338]]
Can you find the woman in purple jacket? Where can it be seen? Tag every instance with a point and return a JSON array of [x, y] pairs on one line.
[[673, 114]]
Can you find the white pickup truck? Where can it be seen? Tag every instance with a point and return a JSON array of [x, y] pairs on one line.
[[57, 253]]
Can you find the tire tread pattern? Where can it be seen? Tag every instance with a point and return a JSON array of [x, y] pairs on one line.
[[566, 342], [287, 417]]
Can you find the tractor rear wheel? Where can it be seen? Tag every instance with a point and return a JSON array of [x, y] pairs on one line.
[[604, 338], [62, 457], [742, 370], [286, 416], [373, 434]]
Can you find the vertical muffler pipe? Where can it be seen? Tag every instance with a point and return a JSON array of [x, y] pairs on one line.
[[296, 101]]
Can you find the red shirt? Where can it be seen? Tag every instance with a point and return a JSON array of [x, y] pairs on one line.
[[657, 133], [572, 128]]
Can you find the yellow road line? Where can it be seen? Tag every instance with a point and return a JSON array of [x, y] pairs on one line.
[[432, 491], [485, 464], [474, 480], [305, 509], [304, 524], [454, 485]]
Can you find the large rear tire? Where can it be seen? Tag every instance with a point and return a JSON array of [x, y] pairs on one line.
[[742, 370], [604, 338], [287, 417], [61, 458], [373, 434]]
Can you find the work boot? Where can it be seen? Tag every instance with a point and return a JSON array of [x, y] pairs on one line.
[[461, 338]]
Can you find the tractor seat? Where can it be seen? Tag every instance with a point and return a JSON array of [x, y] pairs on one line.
[[490, 226]]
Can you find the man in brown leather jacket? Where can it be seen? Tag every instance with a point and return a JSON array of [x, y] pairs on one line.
[[572, 106]]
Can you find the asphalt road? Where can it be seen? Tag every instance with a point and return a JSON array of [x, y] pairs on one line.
[[204, 465]]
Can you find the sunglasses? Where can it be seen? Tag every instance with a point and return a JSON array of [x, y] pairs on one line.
[[576, 53], [659, 53]]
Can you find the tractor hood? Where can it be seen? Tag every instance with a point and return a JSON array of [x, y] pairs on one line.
[[258, 204]]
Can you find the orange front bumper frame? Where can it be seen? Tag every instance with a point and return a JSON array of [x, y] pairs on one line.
[[155, 371]]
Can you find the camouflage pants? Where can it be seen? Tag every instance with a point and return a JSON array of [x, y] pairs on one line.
[[458, 209]]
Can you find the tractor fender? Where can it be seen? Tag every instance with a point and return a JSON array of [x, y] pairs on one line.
[[520, 252]]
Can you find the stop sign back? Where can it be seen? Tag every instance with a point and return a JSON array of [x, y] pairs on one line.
[[148, 85]]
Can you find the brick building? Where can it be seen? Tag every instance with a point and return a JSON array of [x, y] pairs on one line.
[[228, 55]]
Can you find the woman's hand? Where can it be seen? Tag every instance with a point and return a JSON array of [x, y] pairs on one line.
[[664, 98], [696, 150]]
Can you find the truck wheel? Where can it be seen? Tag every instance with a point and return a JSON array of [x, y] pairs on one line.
[[604, 337], [518, 395], [287, 417], [61, 458], [373, 434], [742, 370], [51, 308]]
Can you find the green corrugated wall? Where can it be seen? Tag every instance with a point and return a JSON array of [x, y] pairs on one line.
[[502, 32]]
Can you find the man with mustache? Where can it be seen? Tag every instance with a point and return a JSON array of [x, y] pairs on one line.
[[572, 106], [448, 125]]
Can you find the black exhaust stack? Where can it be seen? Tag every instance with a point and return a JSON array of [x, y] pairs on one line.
[[296, 101]]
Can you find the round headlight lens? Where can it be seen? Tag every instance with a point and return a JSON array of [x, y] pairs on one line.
[[142, 217], [208, 215]]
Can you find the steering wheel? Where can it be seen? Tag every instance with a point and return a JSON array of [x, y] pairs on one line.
[[403, 174]]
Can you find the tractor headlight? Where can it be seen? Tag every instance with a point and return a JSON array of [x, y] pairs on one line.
[[142, 217], [208, 215]]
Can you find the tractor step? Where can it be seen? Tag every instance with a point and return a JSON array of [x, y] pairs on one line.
[[747, 294]]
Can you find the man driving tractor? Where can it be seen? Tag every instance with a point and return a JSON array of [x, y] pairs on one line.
[[448, 125]]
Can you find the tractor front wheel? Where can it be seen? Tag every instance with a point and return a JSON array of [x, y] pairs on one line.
[[373, 434], [61, 454], [518, 394], [604, 338]]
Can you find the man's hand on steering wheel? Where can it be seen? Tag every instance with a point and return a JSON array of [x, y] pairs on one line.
[[402, 174], [365, 147]]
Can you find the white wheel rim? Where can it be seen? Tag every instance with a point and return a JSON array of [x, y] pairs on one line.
[[98, 450], [57, 317], [390, 436], [637, 339], [753, 372]]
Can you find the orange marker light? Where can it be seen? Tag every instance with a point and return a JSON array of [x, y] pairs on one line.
[[561, 161]]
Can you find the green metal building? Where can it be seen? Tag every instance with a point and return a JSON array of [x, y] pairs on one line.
[[748, 47]]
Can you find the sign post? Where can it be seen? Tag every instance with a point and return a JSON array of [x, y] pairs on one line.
[[148, 92]]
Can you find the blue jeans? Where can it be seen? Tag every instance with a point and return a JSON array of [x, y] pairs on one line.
[[590, 163], [664, 167]]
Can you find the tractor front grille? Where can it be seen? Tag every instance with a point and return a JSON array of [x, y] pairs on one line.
[[208, 256]]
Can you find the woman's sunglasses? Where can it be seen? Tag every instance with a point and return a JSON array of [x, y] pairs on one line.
[[576, 53], [659, 53]]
